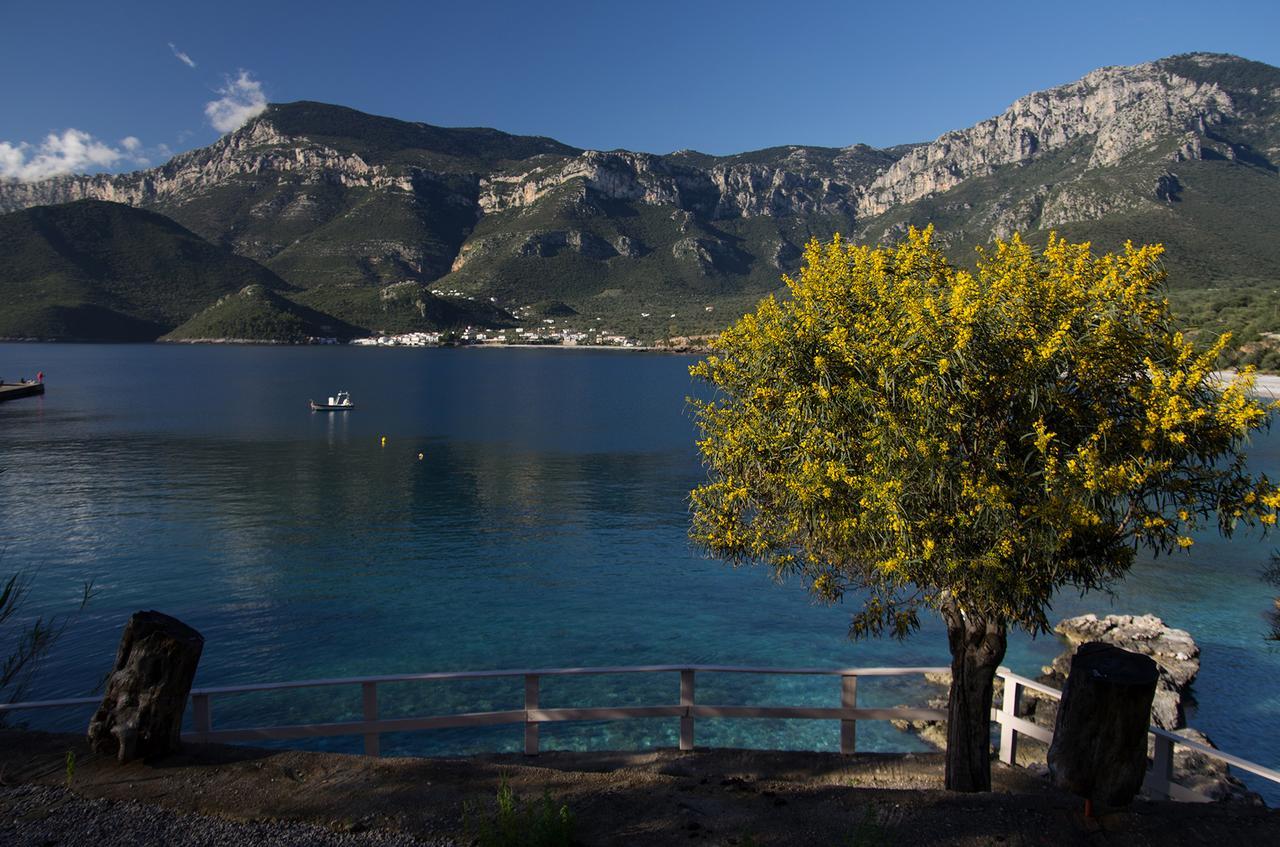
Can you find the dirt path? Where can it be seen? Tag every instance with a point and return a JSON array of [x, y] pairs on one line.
[[722, 797]]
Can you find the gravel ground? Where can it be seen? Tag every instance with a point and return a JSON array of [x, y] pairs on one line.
[[44, 816], [223, 795]]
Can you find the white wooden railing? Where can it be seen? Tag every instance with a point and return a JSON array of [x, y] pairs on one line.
[[533, 715], [1159, 781]]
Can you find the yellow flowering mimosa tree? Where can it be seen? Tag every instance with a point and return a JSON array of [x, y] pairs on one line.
[[926, 437]]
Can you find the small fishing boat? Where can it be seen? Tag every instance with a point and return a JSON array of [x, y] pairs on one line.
[[339, 403]]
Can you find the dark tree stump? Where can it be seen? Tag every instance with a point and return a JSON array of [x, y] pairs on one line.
[[141, 713], [1099, 748]]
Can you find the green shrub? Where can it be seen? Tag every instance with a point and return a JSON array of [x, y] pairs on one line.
[[23, 644], [516, 823]]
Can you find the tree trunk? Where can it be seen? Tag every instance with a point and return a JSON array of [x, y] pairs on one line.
[[141, 712], [1099, 748], [977, 647]]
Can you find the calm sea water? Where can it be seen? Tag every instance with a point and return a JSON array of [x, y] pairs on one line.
[[543, 526]]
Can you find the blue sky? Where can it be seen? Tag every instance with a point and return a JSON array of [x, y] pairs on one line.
[[110, 82]]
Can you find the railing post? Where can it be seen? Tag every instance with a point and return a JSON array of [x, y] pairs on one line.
[[686, 718], [369, 696], [1009, 703], [1160, 776], [201, 715], [848, 726], [530, 702]]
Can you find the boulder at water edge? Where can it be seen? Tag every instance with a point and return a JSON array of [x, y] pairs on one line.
[[1173, 650]]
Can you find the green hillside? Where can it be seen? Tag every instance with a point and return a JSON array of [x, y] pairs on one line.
[[403, 307], [104, 271], [256, 313], [98, 271], [615, 258]]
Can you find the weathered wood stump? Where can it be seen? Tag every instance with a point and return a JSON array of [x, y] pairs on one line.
[[141, 712], [1099, 748]]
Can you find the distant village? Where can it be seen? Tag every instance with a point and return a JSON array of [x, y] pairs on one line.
[[549, 336], [538, 330]]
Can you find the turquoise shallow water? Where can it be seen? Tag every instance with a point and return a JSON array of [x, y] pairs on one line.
[[544, 526]]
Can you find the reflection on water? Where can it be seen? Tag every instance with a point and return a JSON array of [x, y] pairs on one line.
[[543, 526]]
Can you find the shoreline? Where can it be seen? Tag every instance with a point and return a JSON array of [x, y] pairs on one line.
[[249, 342], [635, 348]]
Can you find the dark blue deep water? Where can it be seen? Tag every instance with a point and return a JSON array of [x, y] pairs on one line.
[[544, 526]]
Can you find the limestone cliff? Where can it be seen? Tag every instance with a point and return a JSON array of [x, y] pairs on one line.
[[254, 150], [1115, 110]]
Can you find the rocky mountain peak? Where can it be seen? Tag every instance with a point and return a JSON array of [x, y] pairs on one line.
[[1115, 110]]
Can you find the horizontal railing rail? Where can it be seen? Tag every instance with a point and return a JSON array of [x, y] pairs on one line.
[[1159, 780], [532, 715], [50, 704]]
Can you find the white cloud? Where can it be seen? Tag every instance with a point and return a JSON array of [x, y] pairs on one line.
[[241, 99], [11, 158], [182, 57], [74, 151], [71, 152]]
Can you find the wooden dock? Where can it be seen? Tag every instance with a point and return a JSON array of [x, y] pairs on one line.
[[14, 390]]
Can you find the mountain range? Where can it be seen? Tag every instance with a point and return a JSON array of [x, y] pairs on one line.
[[314, 219]]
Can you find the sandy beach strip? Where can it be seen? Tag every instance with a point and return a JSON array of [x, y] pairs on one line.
[[1265, 385]]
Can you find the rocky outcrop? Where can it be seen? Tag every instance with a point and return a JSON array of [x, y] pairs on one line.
[[617, 175], [1174, 651], [747, 191], [784, 256], [709, 254], [1078, 202], [585, 244], [934, 733], [1011, 211], [1207, 776], [795, 186], [631, 248], [1168, 188]]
